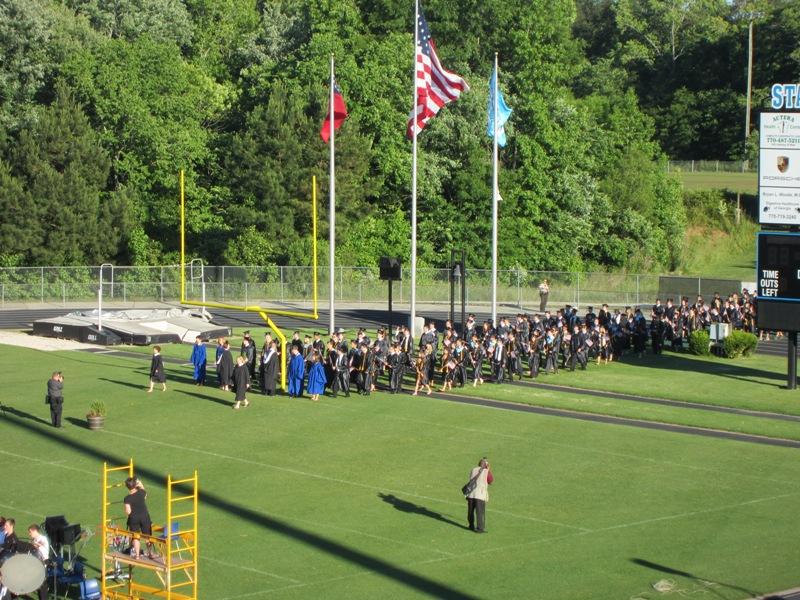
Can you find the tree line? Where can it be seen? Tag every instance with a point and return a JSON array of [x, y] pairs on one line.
[[102, 103]]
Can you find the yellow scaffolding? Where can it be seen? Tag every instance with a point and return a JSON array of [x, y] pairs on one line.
[[173, 547], [263, 312]]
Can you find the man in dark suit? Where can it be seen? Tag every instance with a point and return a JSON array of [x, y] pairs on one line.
[[55, 397]]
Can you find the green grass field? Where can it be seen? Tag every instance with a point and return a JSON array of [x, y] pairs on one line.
[[745, 183], [359, 497]]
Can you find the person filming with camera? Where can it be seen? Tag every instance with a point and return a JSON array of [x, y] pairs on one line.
[[477, 493], [138, 515]]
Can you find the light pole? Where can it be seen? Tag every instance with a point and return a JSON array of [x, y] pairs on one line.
[[193, 277], [458, 275], [100, 296]]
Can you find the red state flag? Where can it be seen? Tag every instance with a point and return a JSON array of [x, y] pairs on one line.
[[339, 114]]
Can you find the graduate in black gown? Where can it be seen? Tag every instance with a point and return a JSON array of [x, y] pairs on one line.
[[535, 356], [241, 380], [157, 374], [477, 356], [269, 368], [365, 370], [249, 352], [341, 382], [225, 367], [423, 367], [330, 363], [396, 363]]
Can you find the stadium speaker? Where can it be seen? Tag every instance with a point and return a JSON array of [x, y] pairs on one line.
[[72, 534], [54, 528], [390, 268]]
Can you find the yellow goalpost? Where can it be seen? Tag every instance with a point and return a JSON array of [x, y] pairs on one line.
[[264, 313]]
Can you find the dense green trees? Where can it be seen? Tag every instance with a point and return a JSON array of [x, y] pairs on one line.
[[52, 198], [101, 103], [687, 62]]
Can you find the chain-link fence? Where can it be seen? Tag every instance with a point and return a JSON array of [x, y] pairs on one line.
[[712, 166], [269, 286]]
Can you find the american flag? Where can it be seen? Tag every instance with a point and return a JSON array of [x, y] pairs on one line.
[[436, 86]]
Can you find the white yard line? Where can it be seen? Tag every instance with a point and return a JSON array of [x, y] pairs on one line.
[[522, 544], [539, 440], [250, 569], [371, 487], [361, 533], [57, 464], [17, 509]]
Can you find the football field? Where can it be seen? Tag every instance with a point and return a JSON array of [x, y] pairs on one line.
[[360, 497]]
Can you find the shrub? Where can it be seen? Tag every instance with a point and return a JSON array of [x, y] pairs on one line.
[[740, 343], [699, 341], [97, 409]]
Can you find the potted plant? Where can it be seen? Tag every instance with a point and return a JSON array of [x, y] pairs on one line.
[[96, 415]]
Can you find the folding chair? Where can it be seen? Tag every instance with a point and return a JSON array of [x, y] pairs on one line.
[[90, 589]]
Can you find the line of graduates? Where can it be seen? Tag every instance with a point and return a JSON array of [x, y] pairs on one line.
[[524, 345], [544, 343]]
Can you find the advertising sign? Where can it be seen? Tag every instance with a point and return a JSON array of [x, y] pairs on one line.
[[779, 169]]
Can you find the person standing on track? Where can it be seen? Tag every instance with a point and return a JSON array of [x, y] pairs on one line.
[[544, 294]]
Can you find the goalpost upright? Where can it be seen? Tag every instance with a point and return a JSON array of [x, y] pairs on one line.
[[264, 313]]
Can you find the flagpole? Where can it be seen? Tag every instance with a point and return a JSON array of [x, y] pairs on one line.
[[413, 297], [332, 208], [494, 196]]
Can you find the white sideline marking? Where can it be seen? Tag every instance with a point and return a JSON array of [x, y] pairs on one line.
[[523, 544], [48, 463], [333, 479], [250, 569], [17, 509], [357, 532], [698, 512], [623, 526], [573, 447]]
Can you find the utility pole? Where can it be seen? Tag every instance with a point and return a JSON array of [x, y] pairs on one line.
[[749, 87]]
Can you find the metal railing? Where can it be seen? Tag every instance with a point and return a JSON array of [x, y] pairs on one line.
[[292, 284]]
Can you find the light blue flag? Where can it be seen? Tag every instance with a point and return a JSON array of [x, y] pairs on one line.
[[503, 112]]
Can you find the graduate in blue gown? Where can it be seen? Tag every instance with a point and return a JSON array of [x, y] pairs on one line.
[[199, 360], [316, 377], [297, 370]]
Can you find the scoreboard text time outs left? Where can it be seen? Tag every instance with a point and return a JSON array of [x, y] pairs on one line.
[[778, 265]]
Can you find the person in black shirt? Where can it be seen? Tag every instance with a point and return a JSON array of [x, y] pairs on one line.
[[10, 542], [138, 515]]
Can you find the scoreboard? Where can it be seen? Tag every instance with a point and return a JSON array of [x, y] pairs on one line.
[[778, 264]]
